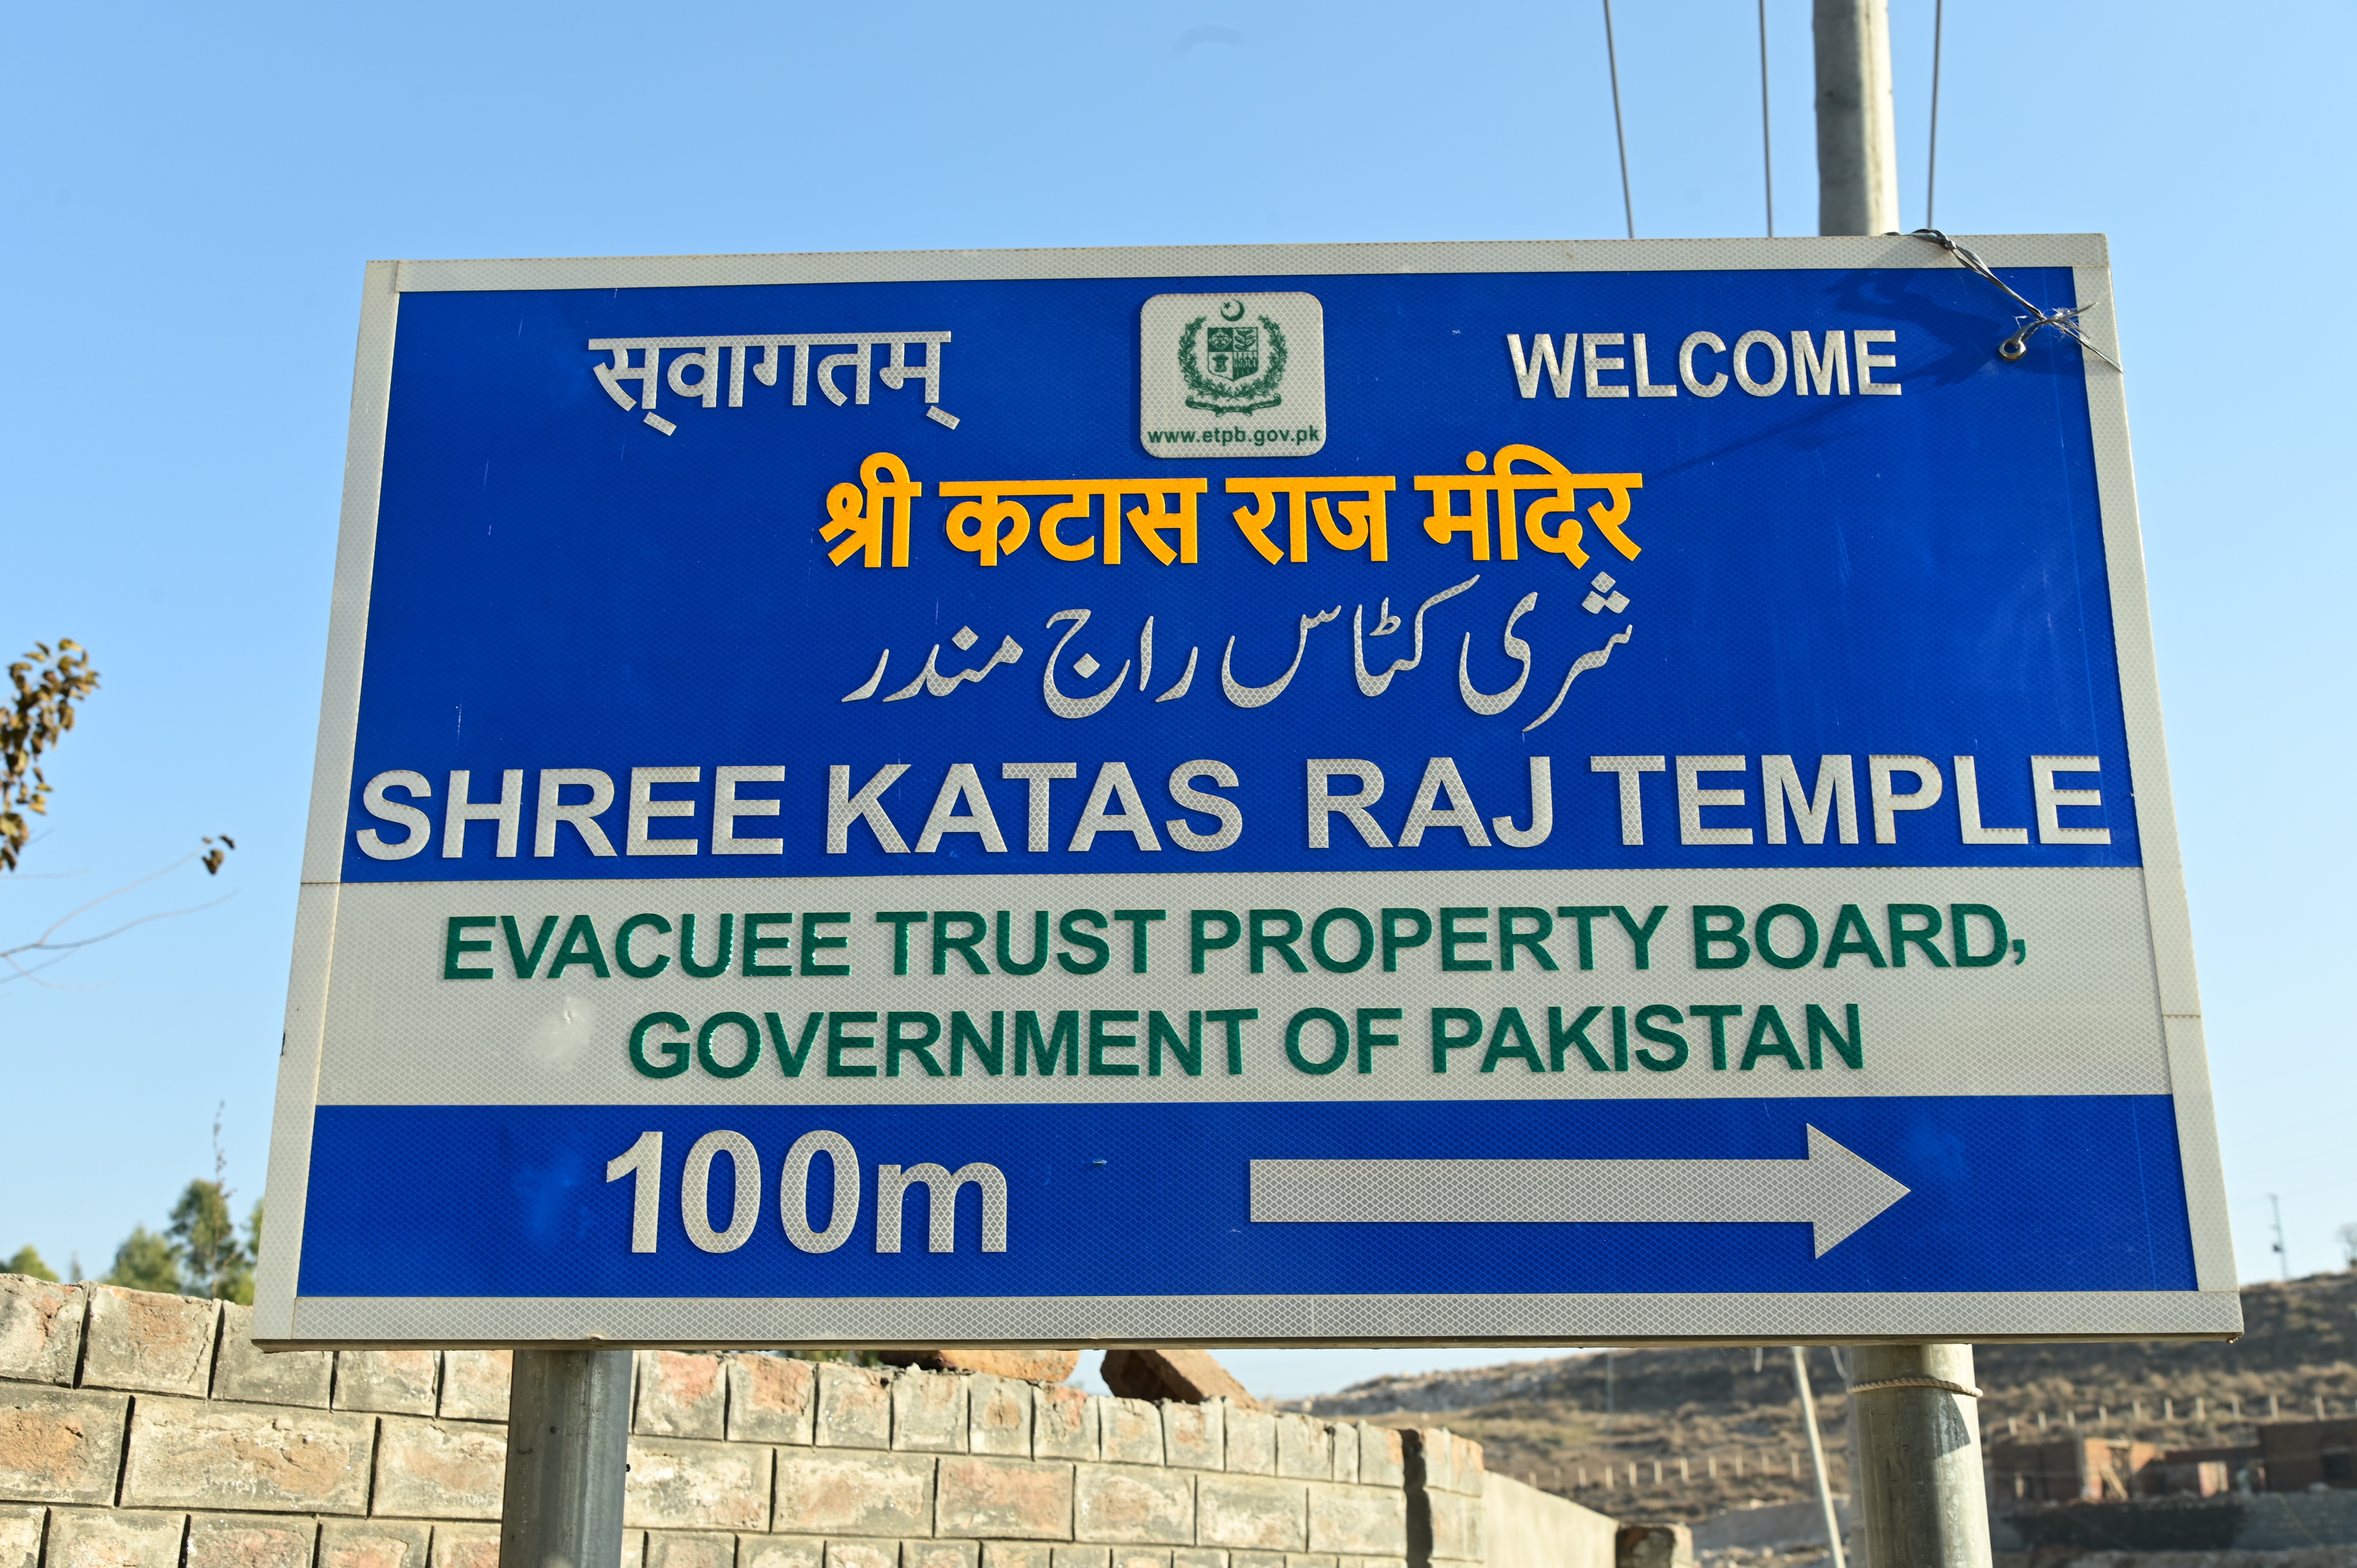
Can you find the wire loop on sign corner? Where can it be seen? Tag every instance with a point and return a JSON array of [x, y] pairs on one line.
[[2063, 320], [1967, 1390]]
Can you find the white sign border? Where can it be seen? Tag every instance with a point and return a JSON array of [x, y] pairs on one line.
[[2211, 1310]]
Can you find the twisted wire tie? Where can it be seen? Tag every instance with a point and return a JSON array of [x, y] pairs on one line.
[[1967, 1390], [2063, 320]]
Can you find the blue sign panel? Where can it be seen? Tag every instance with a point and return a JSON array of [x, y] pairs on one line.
[[1304, 794]]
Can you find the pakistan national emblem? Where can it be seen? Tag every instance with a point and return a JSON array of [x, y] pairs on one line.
[[1234, 366], [1229, 373]]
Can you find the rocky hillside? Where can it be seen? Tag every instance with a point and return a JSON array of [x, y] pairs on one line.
[[1724, 1425]]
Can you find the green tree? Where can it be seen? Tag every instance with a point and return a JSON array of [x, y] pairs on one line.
[[28, 1261], [48, 685], [144, 1261], [212, 1256]]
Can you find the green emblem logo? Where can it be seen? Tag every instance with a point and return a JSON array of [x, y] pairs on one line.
[[1234, 367]]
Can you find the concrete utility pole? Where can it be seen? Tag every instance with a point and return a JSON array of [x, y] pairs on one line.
[[1916, 1468], [568, 1450], [1817, 1455], [1914, 1408], [1857, 140], [1918, 1473]]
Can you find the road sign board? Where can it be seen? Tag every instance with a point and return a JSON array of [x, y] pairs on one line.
[[1348, 793]]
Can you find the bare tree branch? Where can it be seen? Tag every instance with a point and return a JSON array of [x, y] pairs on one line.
[[50, 942], [49, 684]]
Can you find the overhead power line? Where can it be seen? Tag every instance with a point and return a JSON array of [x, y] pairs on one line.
[[1620, 134], [1767, 144], [1932, 173]]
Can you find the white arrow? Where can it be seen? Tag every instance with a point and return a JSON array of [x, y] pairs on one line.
[[1832, 1189]]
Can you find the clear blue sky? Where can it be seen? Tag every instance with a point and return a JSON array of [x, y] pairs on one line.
[[192, 193]]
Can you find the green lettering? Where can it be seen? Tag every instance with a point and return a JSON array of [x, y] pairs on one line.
[[1201, 939], [1274, 930], [814, 943], [525, 960], [1188, 1052], [837, 1042], [1451, 938], [1709, 936], [1358, 923], [791, 1055], [1999, 941], [1853, 938], [1101, 1042], [973, 927], [1369, 1037], [455, 946], [991, 1053], [1770, 1038], [899, 920], [674, 1052], [1903, 936], [719, 964], [1586, 915], [756, 944], [1062, 1043], [1559, 1038], [623, 957], [1508, 939], [1307, 1017], [1510, 1024], [1071, 927], [1718, 1014], [1641, 938], [1650, 1026], [1138, 920], [1395, 937], [1233, 1019], [580, 946], [1446, 1039], [1793, 912], [744, 1064], [1038, 958], [1848, 1044], [919, 1046]]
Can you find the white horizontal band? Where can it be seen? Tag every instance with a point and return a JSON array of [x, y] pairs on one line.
[[1717, 1318], [1233, 261]]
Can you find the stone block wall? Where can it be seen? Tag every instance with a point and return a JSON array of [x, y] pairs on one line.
[[141, 1431], [1525, 1527]]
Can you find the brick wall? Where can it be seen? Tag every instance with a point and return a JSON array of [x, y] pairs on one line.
[[141, 1431], [2302, 1455]]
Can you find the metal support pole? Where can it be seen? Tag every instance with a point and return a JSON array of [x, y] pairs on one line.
[[1857, 138], [1919, 1469], [569, 1449], [1817, 1454]]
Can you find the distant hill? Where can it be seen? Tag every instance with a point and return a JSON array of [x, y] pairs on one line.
[[1547, 1420]]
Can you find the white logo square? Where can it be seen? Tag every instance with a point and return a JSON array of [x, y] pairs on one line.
[[1231, 375]]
